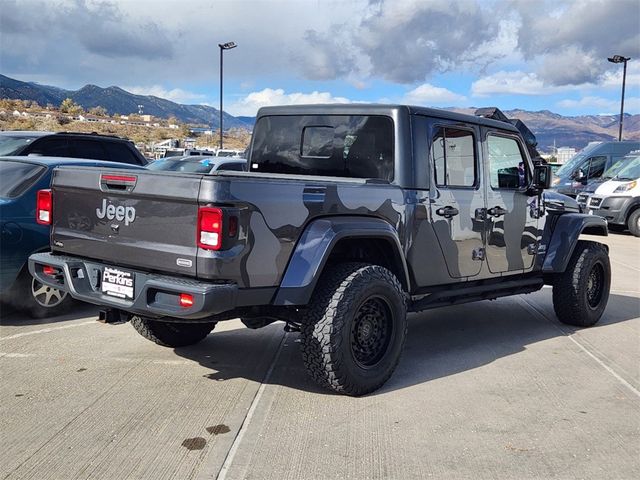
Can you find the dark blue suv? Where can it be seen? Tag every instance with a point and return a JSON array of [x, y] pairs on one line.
[[21, 235]]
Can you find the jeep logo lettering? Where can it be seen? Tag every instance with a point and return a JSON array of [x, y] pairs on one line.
[[119, 213]]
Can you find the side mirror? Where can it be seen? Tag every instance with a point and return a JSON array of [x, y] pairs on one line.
[[542, 176]]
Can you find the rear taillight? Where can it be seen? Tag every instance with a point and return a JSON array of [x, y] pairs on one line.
[[209, 234], [43, 207]]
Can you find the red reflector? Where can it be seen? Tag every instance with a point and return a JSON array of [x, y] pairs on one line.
[[43, 207], [48, 270], [209, 232], [186, 300], [118, 178], [233, 226]]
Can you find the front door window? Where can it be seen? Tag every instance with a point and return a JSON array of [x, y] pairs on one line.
[[511, 213]]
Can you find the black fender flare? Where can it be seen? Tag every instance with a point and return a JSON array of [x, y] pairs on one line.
[[565, 236], [315, 246]]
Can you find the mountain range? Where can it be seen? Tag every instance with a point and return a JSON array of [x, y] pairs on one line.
[[550, 128], [115, 100]]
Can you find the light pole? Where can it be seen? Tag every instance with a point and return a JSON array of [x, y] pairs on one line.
[[223, 47], [621, 59]]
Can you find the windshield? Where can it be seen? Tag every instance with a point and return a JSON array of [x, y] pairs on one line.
[[614, 169], [10, 144], [631, 170], [570, 166], [17, 177], [181, 165]]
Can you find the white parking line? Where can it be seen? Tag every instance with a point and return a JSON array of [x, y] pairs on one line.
[[224, 470], [538, 313], [47, 330]]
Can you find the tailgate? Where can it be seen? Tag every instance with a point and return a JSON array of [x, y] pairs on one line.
[[127, 217]]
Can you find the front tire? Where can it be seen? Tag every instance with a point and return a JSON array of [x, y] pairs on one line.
[[580, 294], [355, 330], [634, 223], [171, 334]]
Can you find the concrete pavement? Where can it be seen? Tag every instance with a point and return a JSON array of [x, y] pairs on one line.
[[485, 390]]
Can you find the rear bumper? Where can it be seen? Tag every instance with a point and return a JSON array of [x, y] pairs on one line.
[[154, 295]]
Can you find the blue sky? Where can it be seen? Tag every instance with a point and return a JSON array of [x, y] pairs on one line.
[[534, 55]]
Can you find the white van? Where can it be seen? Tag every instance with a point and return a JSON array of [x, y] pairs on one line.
[[618, 200]]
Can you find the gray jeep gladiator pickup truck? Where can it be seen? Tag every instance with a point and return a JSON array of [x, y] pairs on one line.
[[349, 217]]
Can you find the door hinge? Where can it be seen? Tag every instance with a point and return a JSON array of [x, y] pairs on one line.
[[478, 254]]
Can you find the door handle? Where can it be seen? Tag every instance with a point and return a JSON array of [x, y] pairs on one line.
[[447, 212], [496, 211]]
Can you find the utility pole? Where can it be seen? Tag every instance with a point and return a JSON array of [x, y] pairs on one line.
[[223, 47], [624, 60]]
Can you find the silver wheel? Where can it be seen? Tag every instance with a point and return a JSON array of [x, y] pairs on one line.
[[45, 296]]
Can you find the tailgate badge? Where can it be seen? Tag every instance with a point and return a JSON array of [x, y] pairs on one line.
[[184, 262], [120, 213]]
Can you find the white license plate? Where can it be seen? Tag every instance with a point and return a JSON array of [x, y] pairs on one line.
[[117, 283]]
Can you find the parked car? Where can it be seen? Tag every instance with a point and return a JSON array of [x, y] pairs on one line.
[[609, 174], [228, 153], [70, 145], [198, 164], [589, 164], [618, 200], [22, 234]]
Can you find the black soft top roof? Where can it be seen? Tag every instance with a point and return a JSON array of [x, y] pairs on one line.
[[380, 109]]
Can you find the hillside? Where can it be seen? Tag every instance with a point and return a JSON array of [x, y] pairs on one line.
[[117, 101], [550, 128]]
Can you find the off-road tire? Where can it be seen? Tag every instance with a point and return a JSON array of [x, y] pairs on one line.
[[36, 299], [580, 294], [171, 334], [634, 223], [354, 303]]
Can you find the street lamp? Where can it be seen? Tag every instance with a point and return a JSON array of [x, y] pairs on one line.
[[223, 47], [621, 59]]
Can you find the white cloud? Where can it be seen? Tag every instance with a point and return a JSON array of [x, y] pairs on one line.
[[510, 83], [175, 95], [427, 94], [631, 104], [250, 104]]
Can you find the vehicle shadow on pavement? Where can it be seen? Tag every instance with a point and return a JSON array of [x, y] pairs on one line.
[[10, 316], [440, 342]]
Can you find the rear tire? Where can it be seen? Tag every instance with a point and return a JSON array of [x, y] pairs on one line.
[[580, 294], [634, 223], [355, 330], [171, 334]]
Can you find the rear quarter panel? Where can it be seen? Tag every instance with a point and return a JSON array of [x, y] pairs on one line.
[[273, 213]]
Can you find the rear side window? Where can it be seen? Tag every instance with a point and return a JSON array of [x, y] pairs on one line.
[[358, 146], [234, 167], [119, 152], [52, 147], [17, 177], [454, 161], [89, 149]]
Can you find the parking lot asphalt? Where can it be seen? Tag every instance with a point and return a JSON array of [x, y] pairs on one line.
[[494, 389]]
